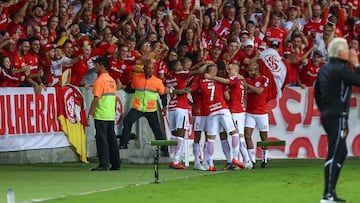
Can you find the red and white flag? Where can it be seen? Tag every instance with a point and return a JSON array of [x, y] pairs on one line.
[[72, 117], [276, 70]]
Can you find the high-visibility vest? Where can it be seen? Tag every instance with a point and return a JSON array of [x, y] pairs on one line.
[[146, 92]]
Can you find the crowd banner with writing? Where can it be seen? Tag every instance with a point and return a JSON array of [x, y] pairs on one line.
[[29, 121]]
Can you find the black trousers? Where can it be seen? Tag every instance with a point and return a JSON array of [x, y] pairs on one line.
[[106, 144], [153, 120], [337, 151]]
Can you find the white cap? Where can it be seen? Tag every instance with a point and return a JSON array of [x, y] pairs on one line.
[[249, 42], [263, 47]]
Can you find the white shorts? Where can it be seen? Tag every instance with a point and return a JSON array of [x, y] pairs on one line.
[[199, 123], [239, 120], [178, 119], [260, 121], [218, 120]]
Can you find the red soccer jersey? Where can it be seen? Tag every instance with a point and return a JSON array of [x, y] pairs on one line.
[[256, 103], [355, 7], [121, 70], [242, 55], [236, 102], [233, 60], [78, 71], [277, 34], [213, 95], [198, 100], [178, 81], [310, 25], [18, 61], [292, 71], [308, 73], [9, 79], [4, 19], [32, 61]]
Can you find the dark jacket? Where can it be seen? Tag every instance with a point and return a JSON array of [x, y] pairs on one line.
[[333, 88]]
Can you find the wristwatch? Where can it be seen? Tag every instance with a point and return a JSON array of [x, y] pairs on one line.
[[357, 65]]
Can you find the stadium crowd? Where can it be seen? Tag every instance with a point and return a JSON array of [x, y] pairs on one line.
[[46, 43]]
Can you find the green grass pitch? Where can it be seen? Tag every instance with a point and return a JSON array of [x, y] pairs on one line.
[[286, 181]]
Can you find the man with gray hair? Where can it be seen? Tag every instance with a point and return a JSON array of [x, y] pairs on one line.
[[332, 95]]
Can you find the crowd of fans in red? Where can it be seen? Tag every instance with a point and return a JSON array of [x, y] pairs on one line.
[[45, 43]]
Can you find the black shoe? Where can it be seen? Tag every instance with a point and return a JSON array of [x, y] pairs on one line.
[[123, 146], [329, 198], [114, 169], [100, 168], [264, 165]]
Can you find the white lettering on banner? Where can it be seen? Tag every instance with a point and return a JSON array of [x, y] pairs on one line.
[[296, 119], [29, 121]]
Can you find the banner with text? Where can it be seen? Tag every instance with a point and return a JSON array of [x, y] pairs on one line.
[[29, 121], [296, 119]]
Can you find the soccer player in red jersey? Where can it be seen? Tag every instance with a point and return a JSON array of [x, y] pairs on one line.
[[178, 107], [218, 114], [178, 111], [237, 108], [199, 125], [256, 111]]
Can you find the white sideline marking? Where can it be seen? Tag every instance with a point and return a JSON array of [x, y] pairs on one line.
[[117, 188]]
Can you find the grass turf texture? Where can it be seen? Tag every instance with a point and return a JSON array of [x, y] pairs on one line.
[[285, 181]]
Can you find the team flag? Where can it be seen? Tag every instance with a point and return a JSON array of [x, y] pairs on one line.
[[72, 117], [275, 68]]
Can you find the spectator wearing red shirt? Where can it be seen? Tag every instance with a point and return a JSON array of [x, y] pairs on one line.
[[336, 15], [47, 55], [251, 28], [246, 56], [35, 21], [315, 23], [7, 77], [17, 18], [19, 62], [293, 54], [4, 15], [121, 67], [275, 32], [231, 56], [308, 71], [216, 51], [34, 78]]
